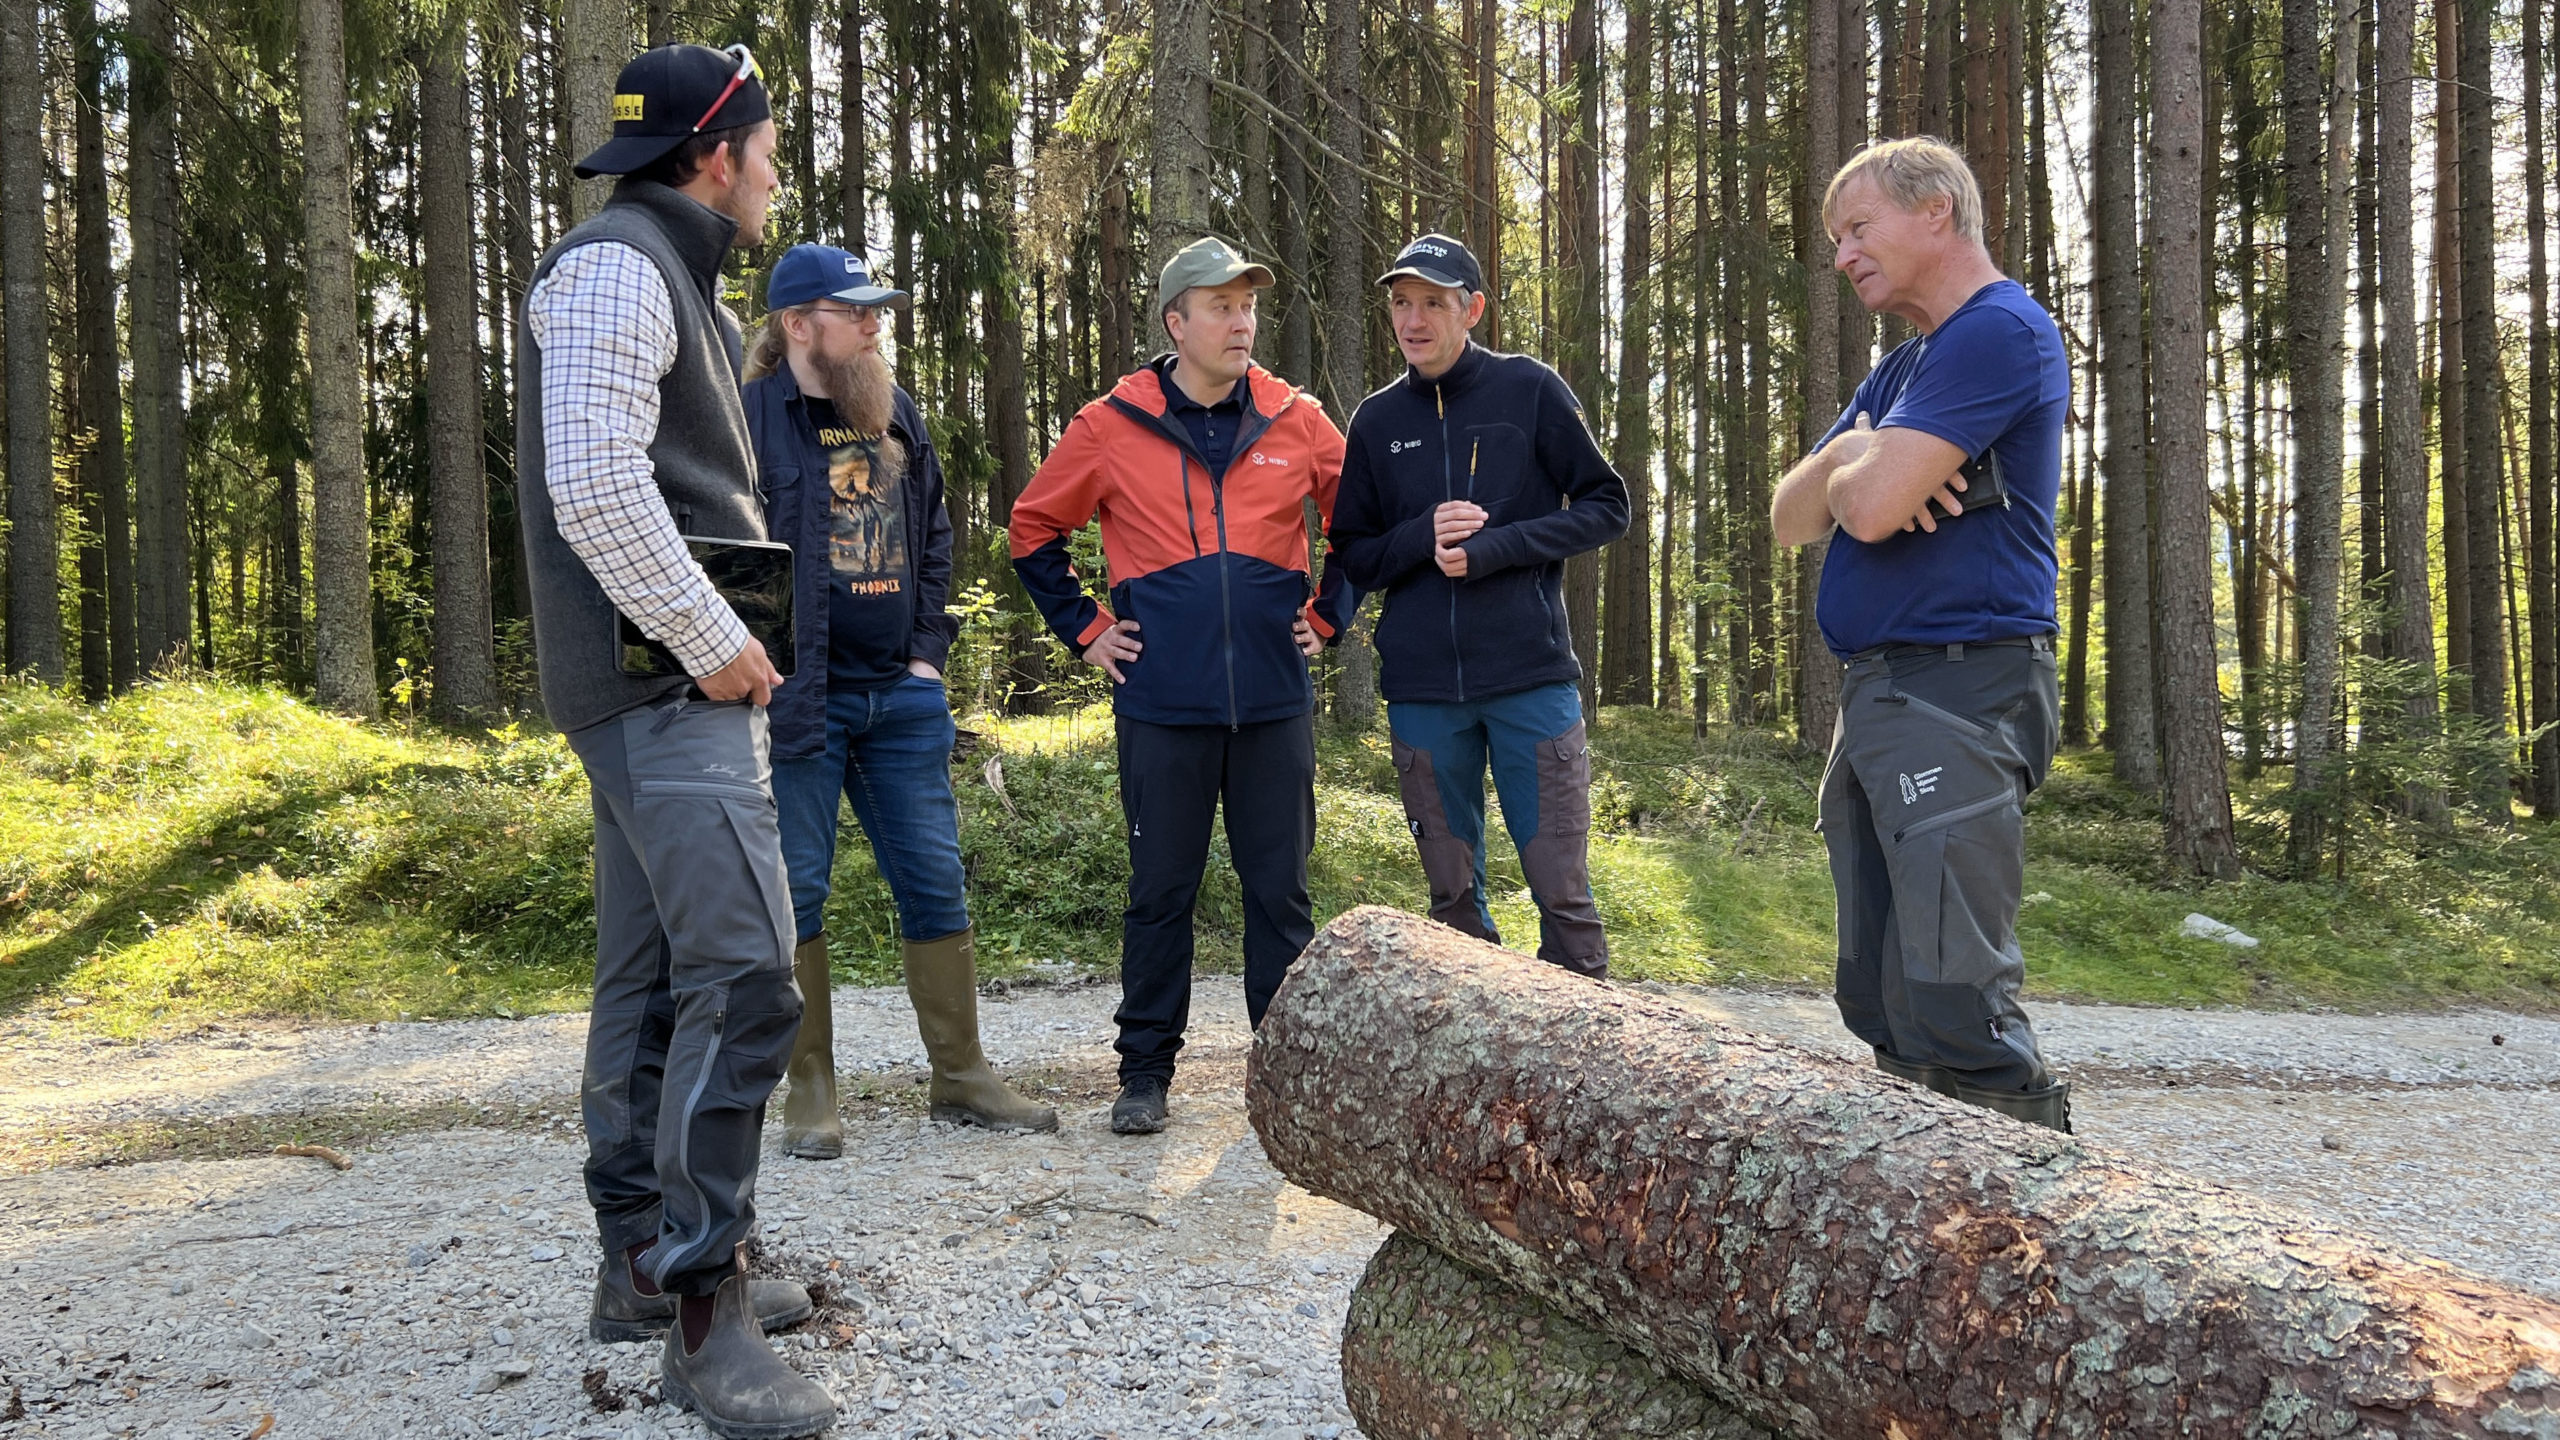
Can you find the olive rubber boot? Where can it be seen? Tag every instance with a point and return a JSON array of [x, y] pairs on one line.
[[734, 1381], [811, 1128], [2049, 1107], [629, 1306], [942, 980], [1926, 1076]]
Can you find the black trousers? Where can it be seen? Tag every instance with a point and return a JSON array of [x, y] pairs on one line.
[[1172, 779]]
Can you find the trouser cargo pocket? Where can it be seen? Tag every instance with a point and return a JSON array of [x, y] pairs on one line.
[[1448, 863]]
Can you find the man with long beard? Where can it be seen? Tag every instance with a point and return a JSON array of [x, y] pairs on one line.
[[852, 484]]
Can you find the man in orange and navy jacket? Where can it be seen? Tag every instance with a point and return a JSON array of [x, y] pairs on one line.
[[1200, 464]]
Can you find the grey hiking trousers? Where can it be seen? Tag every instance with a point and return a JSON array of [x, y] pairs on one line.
[[1934, 753], [695, 1005]]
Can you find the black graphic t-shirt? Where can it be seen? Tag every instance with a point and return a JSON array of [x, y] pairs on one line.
[[871, 587]]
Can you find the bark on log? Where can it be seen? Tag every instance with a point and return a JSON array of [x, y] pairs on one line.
[[1834, 1253], [1435, 1351]]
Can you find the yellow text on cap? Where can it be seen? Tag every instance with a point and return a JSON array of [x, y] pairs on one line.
[[626, 107]]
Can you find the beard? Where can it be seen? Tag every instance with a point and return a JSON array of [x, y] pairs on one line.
[[864, 395]]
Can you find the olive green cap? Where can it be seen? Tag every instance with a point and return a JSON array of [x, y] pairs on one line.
[[1207, 261]]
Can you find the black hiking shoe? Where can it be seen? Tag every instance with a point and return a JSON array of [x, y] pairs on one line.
[[1140, 1108]]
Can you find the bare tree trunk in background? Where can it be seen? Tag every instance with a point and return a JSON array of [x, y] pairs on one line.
[[1296, 290], [1253, 175], [1578, 279], [2311, 337], [2543, 599], [1937, 42], [1178, 144], [1676, 488], [1757, 400], [2482, 369], [661, 28], [35, 574], [341, 534], [1817, 677], [466, 686], [1626, 655], [1857, 327], [2451, 431], [2130, 729], [852, 181], [162, 576], [1484, 190], [595, 41], [2372, 588], [1347, 300], [2199, 799], [1704, 405], [106, 560]]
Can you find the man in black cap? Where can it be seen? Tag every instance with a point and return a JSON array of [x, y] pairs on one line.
[[1454, 487], [631, 437]]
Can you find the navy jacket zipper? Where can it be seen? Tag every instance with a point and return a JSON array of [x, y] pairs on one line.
[[1449, 491]]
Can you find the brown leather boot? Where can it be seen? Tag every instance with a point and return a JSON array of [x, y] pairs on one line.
[[942, 980], [811, 1128]]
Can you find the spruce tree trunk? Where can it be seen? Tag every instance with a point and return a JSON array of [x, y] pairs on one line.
[[595, 42], [35, 574], [1703, 407], [1579, 283], [1433, 1350], [1347, 301], [2543, 597], [1178, 190], [1817, 674], [106, 560], [1733, 296], [2451, 431], [2482, 369], [2199, 830], [854, 88], [1294, 296], [1626, 656], [466, 688], [1834, 1253], [2130, 686], [341, 567], [162, 573], [2311, 340]]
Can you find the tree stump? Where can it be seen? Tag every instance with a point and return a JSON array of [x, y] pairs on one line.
[[1434, 1351], [1834, 1253]]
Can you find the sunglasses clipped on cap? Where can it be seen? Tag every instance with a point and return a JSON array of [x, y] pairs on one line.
[[747, 70]]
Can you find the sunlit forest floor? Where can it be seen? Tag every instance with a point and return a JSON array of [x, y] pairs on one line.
[[202, 851]]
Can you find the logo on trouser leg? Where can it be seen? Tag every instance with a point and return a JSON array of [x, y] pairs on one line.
[[1924, 783]]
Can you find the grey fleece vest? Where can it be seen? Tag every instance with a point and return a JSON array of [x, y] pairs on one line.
[[703, 458]]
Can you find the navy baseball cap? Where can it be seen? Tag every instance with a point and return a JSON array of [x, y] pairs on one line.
[[823, 272], [1440, 260], [670, 94]]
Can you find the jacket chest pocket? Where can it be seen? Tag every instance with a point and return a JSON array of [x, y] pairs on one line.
[[1492, 463], [778, 488]]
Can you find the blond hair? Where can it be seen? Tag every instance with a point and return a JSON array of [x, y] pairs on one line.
[[766, 355], [1910, 173]]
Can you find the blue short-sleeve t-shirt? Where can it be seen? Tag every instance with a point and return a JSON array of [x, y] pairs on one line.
[[1993, 377]]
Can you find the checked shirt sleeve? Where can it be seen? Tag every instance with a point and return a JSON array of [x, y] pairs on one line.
[[608, 336]]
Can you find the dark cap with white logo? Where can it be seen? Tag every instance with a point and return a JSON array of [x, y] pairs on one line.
[[1440, 260]]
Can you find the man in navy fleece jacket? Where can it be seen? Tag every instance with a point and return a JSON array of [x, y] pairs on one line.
[[1466, 485]]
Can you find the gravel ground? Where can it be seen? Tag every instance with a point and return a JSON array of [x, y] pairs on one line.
[[1081, 1284]]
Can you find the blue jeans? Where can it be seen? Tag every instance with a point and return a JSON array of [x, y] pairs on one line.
[[1541, 764], [889, 752]]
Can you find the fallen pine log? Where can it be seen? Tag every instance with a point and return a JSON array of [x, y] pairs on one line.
[[1434, 1351], [1837, 1254]]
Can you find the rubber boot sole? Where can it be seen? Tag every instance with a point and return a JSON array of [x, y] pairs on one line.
[[682, 1394]]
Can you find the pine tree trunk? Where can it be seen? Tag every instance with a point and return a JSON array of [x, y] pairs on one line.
[[1579, 281], [2130, 683], [2199, 829], [1837, 1253], [159, 422], [1757, 397], [1817, 675], [1485, 197], [341, 572], [1703, 406], [2312, 272], [35, 641], [2543, 597], [1433, 1350], [466, 690], [1626, 657], [2482, 369], [1733, 296], [1346, 300], [853, 138], [2452, 433], [106, 560], [595, 41], [1178, 146]]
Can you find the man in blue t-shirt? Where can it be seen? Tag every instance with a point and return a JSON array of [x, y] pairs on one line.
[[1936, 490]]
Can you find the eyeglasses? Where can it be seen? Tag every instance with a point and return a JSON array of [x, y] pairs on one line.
[[856, 313], [747, 70]]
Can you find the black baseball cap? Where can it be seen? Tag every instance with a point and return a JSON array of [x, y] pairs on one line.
[[1440, 260], [670, 94]]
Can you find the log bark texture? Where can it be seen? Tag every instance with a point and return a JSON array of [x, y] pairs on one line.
[[1834, 1253], [1435, 1351]]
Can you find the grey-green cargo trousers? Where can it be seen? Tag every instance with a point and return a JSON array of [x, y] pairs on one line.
[[1935, 752], [695, 1005]]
